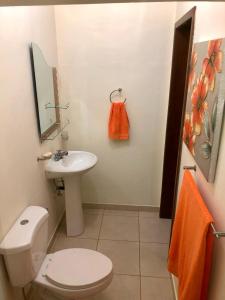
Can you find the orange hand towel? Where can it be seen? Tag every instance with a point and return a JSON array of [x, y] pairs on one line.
[[192, 242], [118, 127]]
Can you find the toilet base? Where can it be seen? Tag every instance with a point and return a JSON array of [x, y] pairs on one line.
[[52, 294], [41, 293]]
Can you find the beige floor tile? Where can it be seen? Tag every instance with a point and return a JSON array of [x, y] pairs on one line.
[[154, 259], [149, 214], [92, 226], [115, 212], [124, 255], [120, 228], [94, 211], [154, 230], [123, 287], [64, 242], [156, 289]]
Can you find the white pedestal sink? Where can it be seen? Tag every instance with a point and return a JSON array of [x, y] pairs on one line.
[[70, 168]]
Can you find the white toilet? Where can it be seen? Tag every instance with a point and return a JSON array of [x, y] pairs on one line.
[[70, 273]]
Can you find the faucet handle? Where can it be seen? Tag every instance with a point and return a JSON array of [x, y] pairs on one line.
[[63, 152], [60, 153]]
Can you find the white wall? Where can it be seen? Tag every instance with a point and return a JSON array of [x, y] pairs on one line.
[[22, 178], [210, 24], [101, 48]]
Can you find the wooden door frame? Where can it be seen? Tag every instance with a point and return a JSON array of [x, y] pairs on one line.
[[182, 49]]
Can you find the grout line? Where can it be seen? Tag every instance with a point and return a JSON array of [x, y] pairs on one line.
[[104, 239], [161, 243], [125, 274], [139, 234], [162, 277], [145, 276], [113, 240], [100, 229], [119, 241]]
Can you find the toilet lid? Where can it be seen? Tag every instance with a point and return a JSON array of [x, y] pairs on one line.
[[78, 268]]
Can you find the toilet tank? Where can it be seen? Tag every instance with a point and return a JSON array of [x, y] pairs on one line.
[[25, 245]]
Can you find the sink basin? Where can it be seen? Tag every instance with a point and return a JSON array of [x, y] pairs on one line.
[[74, 162], [71, 168]]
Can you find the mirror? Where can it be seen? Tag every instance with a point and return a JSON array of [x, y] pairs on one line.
[[45, 88]]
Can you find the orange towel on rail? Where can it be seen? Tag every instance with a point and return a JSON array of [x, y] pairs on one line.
[[191, 246], [118, 127]]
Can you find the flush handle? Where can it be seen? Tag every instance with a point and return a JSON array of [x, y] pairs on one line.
[[24, 222]]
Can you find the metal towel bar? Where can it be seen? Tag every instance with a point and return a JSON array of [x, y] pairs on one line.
[[218, 234]]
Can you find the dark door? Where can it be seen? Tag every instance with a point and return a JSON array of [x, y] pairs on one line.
[[182, 48]]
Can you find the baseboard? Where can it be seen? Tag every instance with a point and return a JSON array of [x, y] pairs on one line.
[[174, 283], [121, 207], [52, 238]]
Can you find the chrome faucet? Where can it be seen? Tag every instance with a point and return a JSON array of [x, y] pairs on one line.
[[59, 154]]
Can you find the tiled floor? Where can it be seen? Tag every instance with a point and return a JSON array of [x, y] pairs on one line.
[[136, 242]]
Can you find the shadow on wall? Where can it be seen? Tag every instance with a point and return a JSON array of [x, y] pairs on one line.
[[115, 144], [6, 290]]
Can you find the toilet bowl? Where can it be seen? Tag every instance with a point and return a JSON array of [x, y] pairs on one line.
[[73, 273]]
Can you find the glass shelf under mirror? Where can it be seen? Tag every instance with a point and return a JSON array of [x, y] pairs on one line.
[[50, 105], [58, 131]]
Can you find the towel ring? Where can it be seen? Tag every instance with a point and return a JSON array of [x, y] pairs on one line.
[[118, 90]]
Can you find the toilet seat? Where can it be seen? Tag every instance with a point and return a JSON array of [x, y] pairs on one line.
[[77, 268]]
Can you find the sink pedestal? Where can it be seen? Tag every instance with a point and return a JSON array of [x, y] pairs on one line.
[[74, 212], [71, 167]]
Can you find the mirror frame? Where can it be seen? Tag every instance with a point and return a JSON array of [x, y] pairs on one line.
[[44, 136]]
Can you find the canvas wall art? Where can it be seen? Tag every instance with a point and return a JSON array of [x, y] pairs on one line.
[[205, 104]]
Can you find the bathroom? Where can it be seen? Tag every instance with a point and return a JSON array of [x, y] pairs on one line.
[[98, 48]]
